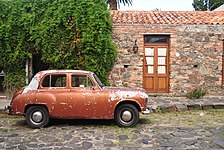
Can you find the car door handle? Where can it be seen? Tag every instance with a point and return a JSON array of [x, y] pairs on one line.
[[41, 91], [69, 90]]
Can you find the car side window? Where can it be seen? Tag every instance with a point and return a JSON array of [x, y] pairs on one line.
[[54, 81], [81, 81]]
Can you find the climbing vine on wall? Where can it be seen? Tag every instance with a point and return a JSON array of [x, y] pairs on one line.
[[69, 34]]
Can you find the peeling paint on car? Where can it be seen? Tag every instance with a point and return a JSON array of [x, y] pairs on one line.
[[122, 95], [112, 97], [63, 103], [33, 84]]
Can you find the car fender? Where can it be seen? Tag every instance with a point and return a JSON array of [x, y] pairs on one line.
[[48, 100], [128, 101]]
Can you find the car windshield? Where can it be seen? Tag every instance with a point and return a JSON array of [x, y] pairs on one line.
[[98, 81]]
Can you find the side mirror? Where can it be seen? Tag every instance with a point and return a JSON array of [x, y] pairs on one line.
[[92, 87]]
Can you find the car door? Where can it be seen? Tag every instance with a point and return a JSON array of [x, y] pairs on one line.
[[85, 99], [52, 92]]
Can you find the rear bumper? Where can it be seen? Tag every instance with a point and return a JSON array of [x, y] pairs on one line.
[[9, 109], [147, 111]]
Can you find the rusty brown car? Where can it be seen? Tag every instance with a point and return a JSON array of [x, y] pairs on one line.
[[76, 94]]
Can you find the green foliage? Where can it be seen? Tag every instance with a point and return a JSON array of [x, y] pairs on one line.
[[13, 45], [207, 4], [196, 94], [13, 80], [69, 34]]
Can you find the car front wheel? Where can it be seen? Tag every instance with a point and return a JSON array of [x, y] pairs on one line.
[[126, 115], [37, 116]]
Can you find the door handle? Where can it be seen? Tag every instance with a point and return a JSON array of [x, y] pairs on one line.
[[41, 91], [69, 90]]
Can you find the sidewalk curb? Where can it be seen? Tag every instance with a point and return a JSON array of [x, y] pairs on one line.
[[183, 104], [183, 107]]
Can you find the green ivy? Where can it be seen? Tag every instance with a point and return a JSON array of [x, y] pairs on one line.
[[69, 34], [13, 80], [196, 94]]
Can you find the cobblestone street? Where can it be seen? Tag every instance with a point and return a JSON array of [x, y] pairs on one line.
[[198, 129]]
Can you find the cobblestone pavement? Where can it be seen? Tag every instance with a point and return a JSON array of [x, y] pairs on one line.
[[198, 129]]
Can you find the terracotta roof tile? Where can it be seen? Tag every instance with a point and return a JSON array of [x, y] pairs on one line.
[[168, 17]]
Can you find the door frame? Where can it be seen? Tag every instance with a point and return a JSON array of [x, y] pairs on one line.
[[148, 45]]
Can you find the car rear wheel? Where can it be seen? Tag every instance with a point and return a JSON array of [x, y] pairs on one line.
[[37, 117], [127, 115]]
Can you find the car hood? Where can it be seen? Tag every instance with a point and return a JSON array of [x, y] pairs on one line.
[[120, 93]]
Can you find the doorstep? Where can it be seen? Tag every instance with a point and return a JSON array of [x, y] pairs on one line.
[[2, 97]]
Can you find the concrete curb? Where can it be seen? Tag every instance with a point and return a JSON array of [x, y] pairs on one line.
[[183, 104], [183, 107]]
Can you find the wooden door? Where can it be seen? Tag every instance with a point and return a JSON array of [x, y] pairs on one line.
[[156, 72]]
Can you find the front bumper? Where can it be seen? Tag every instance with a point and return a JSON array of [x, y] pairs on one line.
[[147, 111]]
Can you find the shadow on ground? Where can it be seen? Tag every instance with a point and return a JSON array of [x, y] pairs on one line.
[[19, 121], [80, 122]]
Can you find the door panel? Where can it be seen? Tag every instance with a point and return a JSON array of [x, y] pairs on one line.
[[161, 83], [156, 68], [56, 100], [84, 101], [149, 84]]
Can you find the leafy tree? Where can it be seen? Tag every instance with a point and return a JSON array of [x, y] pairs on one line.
[[114, 4], [69, 34], [14, 43], [207, 4]]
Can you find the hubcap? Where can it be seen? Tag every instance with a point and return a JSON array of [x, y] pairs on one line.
[[37, 116], [126, 115]]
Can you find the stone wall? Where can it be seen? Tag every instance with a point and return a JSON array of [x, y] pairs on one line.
[[195, 56]]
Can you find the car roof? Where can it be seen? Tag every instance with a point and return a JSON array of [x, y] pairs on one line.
[[63, 71]]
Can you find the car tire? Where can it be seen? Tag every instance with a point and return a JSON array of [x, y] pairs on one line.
[[37, 117], [126, 115]]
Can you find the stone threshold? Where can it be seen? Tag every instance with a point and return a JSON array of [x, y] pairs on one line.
[[2, 97]]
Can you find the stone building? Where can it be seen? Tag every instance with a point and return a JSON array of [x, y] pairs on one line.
[[169, 52]]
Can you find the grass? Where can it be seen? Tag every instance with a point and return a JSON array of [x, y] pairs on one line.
[[212, 117]]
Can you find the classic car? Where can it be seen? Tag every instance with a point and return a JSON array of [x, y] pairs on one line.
[[76, 94]]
